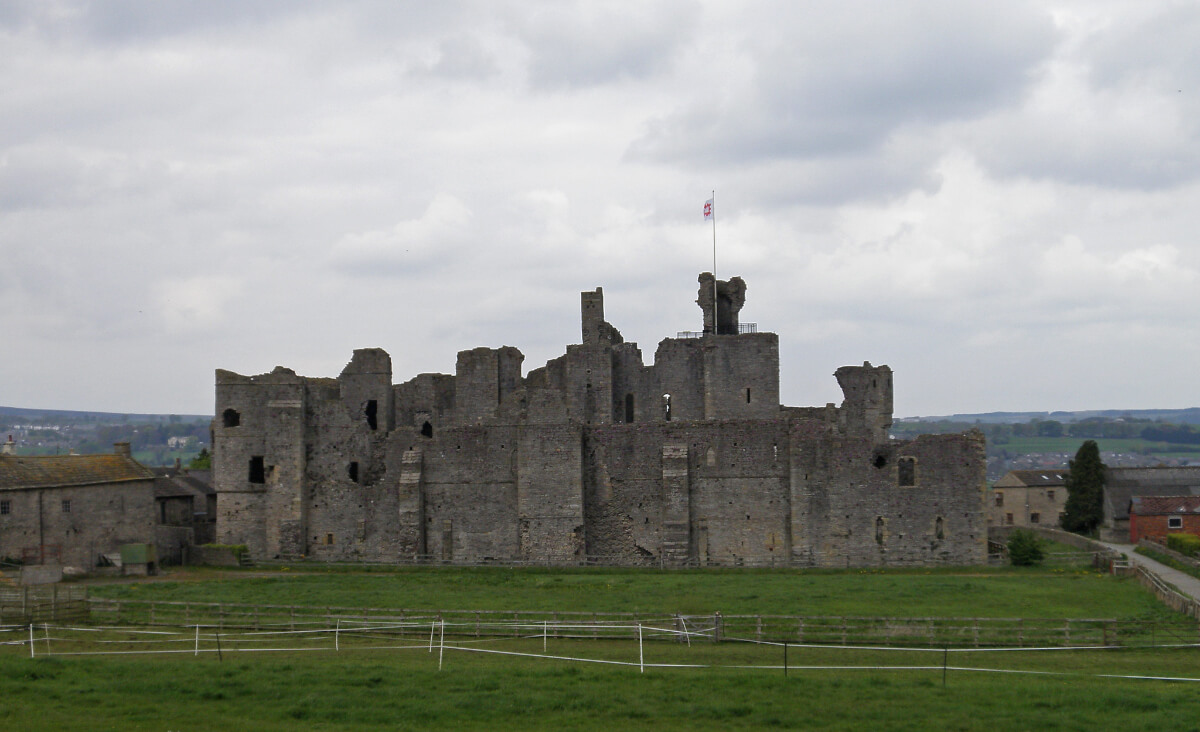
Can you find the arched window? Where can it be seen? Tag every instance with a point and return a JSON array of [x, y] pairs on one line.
[[667, 407], [427, 430]]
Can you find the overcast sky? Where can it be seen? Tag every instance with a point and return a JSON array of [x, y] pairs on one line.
[[998, 200]]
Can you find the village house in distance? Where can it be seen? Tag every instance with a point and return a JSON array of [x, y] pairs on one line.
[[594, 457]]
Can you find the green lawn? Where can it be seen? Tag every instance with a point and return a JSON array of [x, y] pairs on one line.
[[963, 592], [405, 690]]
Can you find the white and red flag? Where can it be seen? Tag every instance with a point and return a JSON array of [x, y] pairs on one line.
[[708, 209]]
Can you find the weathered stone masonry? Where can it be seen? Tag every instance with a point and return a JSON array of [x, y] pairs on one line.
[[594, 456]]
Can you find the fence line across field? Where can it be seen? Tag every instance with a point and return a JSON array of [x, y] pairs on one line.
[[41, 636], [937, 631]]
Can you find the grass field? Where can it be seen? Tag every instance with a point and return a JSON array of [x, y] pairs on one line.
[[404, 689], [967, 592], [362, 685]]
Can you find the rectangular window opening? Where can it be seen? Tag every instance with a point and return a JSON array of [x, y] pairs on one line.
[[258, 471], [5, 508], [906, 471], [66, 505], [1174, 522], [1035, 518], [999, 499]]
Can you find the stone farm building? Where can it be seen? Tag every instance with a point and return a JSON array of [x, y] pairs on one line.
[[594, 457]]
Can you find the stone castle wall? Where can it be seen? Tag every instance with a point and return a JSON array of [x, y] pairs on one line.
[[594, 456]]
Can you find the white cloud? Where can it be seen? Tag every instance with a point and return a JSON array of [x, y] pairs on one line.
[[964, 192]]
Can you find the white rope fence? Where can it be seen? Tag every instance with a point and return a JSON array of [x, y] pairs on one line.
[[609, 640]]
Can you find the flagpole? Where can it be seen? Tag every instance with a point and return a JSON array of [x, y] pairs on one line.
[[714, 227]]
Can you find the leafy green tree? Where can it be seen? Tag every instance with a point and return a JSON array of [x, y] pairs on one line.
[[1085, 491], [1025, 549], [203, 461]]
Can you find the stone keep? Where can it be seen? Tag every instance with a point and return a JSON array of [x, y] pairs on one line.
[[593, 457]]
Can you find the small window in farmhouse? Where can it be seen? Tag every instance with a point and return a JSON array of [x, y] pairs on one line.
[[372, 412], [1035, 518], [66, 505], [629, 407], [1174, 522], [906, 471], [258, 473], [231, 418], [1008, 519], [352, 470], [999, 499], [1050, 495], [427, 430], [5, 508]]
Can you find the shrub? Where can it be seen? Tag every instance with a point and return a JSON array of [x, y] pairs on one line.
[[1025, 549], [1186, 544]]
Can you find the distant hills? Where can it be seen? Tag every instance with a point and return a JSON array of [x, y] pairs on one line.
[[68, 415], [1190, 415]]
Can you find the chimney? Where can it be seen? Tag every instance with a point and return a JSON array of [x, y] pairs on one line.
[[8, 448], [122, 448]]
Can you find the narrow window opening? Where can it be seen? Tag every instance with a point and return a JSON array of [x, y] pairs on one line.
[[66, 505], [907, 471], [999, 499], [353, 471], [667, 407], [1008, 519], [939, 528], [372, 412], [629, 407], [231, 418], [1050, 495], [879, 525], [880, 460], [329, 539], [258, 473], [427, 430], [747, 395], [5, 508]]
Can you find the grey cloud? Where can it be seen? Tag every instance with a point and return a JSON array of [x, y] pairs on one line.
[[846, 83], [587, 44]]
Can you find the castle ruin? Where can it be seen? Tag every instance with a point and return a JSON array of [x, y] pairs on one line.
[[594, 457]]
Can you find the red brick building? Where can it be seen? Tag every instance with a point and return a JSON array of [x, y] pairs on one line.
[[1153, 517]]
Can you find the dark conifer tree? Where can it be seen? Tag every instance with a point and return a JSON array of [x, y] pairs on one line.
[[1085, 491]]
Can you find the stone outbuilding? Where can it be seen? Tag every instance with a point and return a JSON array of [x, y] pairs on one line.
[[70, 509], [1025, 498]]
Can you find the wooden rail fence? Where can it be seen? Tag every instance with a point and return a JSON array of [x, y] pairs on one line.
[[826, 630]]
